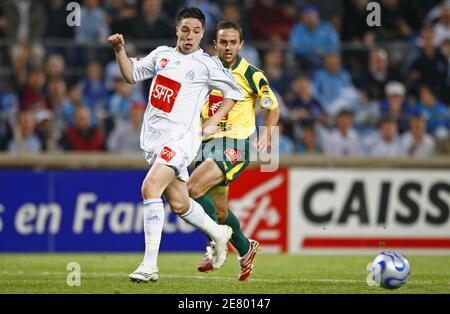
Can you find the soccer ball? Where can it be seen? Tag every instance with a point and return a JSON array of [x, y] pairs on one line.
[[389, 270]]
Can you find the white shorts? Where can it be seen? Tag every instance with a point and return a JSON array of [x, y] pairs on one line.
[[175, 151]]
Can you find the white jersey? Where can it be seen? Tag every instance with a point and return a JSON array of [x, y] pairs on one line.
[[181, 85]]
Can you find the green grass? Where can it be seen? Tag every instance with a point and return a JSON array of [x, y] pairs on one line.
[[107, 273]]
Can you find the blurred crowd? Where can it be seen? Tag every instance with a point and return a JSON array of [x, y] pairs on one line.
[[344, 88]]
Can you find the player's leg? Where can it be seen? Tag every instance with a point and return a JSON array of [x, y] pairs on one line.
[[247, 248], [158, 178], [192, 212], [225, 216], [202, 179], [206, 175]]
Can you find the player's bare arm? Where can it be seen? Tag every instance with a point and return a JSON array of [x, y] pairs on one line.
[[210, 126], [126, 67], [264, 141]]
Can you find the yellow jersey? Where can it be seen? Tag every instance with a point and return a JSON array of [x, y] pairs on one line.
[[239, 123]]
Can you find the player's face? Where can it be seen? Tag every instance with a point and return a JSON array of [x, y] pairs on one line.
[[189, 32], [228, 43]]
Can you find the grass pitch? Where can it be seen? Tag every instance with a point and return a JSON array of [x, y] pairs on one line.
[[287, 274]]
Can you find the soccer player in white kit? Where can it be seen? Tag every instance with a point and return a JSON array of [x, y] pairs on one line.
[[171, 131]]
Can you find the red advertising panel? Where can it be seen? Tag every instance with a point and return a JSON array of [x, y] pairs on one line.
[[259, 200]]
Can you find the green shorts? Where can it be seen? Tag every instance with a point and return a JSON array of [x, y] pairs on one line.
[[231, 155]]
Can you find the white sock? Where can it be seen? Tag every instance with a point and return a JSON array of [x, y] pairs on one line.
[[153, 226], [197, 217]]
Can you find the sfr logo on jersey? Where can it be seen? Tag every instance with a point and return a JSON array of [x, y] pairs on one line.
[[214, 104], [233, 155], [164, 94], [167, 154]]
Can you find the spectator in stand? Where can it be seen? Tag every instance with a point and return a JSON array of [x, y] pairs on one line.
[[3, 26], [388, 144], [395, 26], [26, 20], [445, 48], [303, 106], [94, 27], [9, 106], [45, 130], [81, 136], [442, 27], [417, 142], [426, 65], [120, 101], [25, 58], [354, 23], [312, 39], [433, 10], [75, 101], [232, 13], [25, 140], [112, 71], [6, 133], [332, 11], [396, 106], [343, 140], [9, 101], [309, 143], [333, 86], [211, 11], [57, 27], [55, 66], [435, 112], [60, 104], [274, 69], [93, 89], [125, 136], [33, 95], [122, 13], [377, 75], [152, 22], [286, 145], [269, 22]]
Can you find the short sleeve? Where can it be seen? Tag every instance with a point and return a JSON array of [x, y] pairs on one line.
[[267, 99], [222, 80], [145, 68]]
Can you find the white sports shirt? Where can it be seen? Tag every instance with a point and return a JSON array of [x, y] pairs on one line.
[[181, 85]]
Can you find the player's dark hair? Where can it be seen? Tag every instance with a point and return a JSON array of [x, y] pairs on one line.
[[229, 25], [193, 13]]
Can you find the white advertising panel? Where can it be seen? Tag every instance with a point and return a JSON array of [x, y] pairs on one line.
[[349, 209]]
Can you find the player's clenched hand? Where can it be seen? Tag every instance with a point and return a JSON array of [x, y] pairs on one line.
[[116, 41]]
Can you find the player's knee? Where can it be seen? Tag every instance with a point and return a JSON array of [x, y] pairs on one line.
[[179, 207], [195, 190], [222, 214], [150, 190]]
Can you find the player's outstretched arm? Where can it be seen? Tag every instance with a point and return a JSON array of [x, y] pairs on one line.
[[125, 65], [210, 126]]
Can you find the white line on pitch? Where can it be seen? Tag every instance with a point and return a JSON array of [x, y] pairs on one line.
[[207, 277]]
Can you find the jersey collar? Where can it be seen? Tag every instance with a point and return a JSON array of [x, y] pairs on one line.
[[238, 61]]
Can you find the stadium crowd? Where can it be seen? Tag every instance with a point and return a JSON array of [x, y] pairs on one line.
[[344, 88]]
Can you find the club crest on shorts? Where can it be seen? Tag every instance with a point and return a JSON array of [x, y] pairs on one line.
[[233, 155], [167, 154]]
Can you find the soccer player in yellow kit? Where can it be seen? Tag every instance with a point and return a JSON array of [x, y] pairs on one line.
[[225, 154]]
